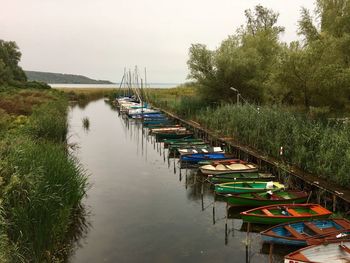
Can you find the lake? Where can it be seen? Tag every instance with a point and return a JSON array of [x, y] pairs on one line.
[[141, 207], [112, 86]]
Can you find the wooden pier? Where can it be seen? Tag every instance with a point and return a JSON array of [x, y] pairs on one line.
[[323, 192]]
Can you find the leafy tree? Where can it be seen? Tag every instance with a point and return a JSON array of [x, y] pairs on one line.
[[9, 59]]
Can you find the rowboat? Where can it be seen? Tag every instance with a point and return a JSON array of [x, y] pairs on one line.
[[174, 135], [247, 187], [197, 157], [147, 116], [334, 252], [132, 112], [229, 168], [167, 129], [224, 162], [276, 214], [180, 141], [190, 145], [198, 149], [299, 233], [267, 198], [239, 177]]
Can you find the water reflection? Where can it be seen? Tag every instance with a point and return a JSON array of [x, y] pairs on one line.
[[144, 200]]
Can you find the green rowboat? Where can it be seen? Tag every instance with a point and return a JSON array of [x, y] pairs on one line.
[[278, 214], [239, 177], [267, 198], [247, 187]]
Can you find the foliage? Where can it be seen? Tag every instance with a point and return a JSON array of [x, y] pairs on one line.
[[41, 184], [312, 73], [320, 147]]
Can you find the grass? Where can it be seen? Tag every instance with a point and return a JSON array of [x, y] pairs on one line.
[[41, 184], [86, 123], [310, 141], [85, 95]]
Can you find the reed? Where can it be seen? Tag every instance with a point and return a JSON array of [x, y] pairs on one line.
[[41, 184], [317, 146], [86, 123]]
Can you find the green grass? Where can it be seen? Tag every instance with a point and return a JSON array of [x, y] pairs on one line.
[[41, 184], [310, 141]]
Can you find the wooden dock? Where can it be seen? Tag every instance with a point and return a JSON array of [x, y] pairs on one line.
[[324, 192]]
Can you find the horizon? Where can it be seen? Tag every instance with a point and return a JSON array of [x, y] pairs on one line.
[[100, 38]]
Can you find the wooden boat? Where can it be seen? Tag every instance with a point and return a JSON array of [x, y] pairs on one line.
[[229, 168], [267, 198], [197, 157], [224, 162], [239, 177], [190, 145], [167, 129], [299, 233], [276, 214], [198, 149], [247, 187], [334, 252], [179, 141], [173, 135]]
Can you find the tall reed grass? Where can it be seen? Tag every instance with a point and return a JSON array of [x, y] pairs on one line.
[[41, 186], [320, 147]]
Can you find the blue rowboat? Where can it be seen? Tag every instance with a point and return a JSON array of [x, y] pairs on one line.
[[198, 157], [303, 233]]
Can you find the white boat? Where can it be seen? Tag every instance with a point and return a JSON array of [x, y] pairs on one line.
[[230, 168], [335, 252], [200, 150]]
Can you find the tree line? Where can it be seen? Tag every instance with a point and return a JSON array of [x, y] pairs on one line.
[[313, 72], [11, 74]]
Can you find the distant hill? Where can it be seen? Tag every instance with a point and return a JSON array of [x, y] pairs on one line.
[[60, 78]]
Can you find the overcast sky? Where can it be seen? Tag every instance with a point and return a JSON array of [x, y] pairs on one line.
[[98, 38]]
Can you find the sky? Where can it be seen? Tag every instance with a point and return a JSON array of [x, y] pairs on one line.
[[99, 38]]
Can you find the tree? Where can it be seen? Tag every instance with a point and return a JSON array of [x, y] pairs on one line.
[[9, 58]]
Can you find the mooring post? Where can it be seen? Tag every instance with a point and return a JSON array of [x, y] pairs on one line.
[[226, 233], [214, 209], [271, 253], [247, 242]]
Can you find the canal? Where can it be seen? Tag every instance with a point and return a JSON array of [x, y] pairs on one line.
[[141, 207]]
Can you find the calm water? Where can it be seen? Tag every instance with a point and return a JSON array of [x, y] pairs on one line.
[[112, 86], [142, 207]]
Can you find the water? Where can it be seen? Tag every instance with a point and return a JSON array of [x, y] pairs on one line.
[[142, 207], [111, 86]]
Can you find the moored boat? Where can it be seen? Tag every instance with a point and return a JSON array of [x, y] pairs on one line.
[[333, 252], [276, 214], [173, 134], [267, 198], [228, 168], [239, 177], [224, 162], [200, 149], [197, 157], [247, 187], [303, 233]]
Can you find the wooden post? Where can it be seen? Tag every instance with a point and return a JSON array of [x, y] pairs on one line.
[[271, 253], [334, 203]]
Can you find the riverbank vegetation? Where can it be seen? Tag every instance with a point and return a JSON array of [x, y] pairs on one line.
[[41, 184], [290, 95]]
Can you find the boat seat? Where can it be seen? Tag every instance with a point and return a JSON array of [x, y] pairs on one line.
[[267, 212], [293, 212], [293, 232], [342, 223], [345, 248], [314, 228], [317, 209], [247, 185], [257, 196]]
